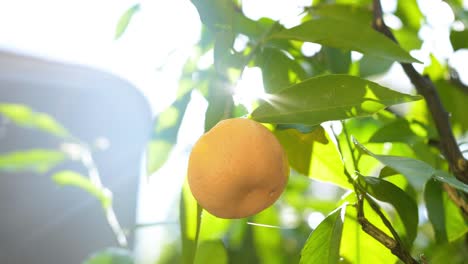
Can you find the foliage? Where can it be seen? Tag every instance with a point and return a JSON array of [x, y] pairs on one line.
[[340, 128]]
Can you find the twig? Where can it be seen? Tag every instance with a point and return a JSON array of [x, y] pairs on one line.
[[425, 87], [395, 244]]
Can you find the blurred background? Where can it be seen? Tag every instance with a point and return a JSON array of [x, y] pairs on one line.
[[68, 60]]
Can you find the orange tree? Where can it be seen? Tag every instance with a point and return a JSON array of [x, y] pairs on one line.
[[395, 159]]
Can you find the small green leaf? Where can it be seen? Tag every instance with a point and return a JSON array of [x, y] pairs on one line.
[[459, 39], [313, 154], [277, 69], [125, 20], [449, 179], [345, 34], [435, 210], [220, 103], [405, 206], [166, 127], [24, 116], [356, 245], [325, 98], [410, 14], [342, 11], [71, 178], [395, 131], [211, 252], [323, 244], [36, 160], [446, 218], [417, 172], [111, 256], [370, 65]]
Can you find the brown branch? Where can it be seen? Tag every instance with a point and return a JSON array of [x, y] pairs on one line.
[[395, 247], [425, 87]]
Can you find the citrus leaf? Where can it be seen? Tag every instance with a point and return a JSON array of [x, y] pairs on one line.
[[449, 179], [166, 127], [405, 206], [36, 160], [277, 69], [345, 34], [111, 256], [459, 39], [359, 247], [125, 20], [342, 11], [71, 178], [313, 154], [445, 217], [220, 103], [211, 251], [435, 210], [323, 244], [416, 171], [24, 116], [370, 65], [325, 98]]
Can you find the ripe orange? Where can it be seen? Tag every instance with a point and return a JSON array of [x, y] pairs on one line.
[[237, 169]]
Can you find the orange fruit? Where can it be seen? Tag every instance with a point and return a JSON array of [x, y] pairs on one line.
[[237, 169]]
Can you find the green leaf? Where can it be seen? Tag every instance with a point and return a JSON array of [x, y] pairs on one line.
[[359, 247], [211, 252], [459, 39], [407, 39], [409, 14], [325, 98], [71, 178], [215, 14], [36, 160], [224, 40], [166, 127], [189, 218], [313, 154], [445, 217], [276, 68], [417, 172], [220, 102], [342, 11], [125, 20], [323, 245], [396, 131], [111, 256], [370, 65], [24, 116], [405, 206], [449, 179], [435, 210], [337, 60], [345, 34]]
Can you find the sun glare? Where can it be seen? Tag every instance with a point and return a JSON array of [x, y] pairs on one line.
[[249, 88]]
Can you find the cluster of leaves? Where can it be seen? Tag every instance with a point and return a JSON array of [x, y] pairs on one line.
[[372, 150]]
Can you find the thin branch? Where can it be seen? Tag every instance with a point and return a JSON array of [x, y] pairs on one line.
[[425, 87], [396, 248]]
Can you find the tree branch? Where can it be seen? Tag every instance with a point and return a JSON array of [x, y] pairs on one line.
[[395, 247], [424, 86]]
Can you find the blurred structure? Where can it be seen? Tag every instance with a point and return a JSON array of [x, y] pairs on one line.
[[41, 222]]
